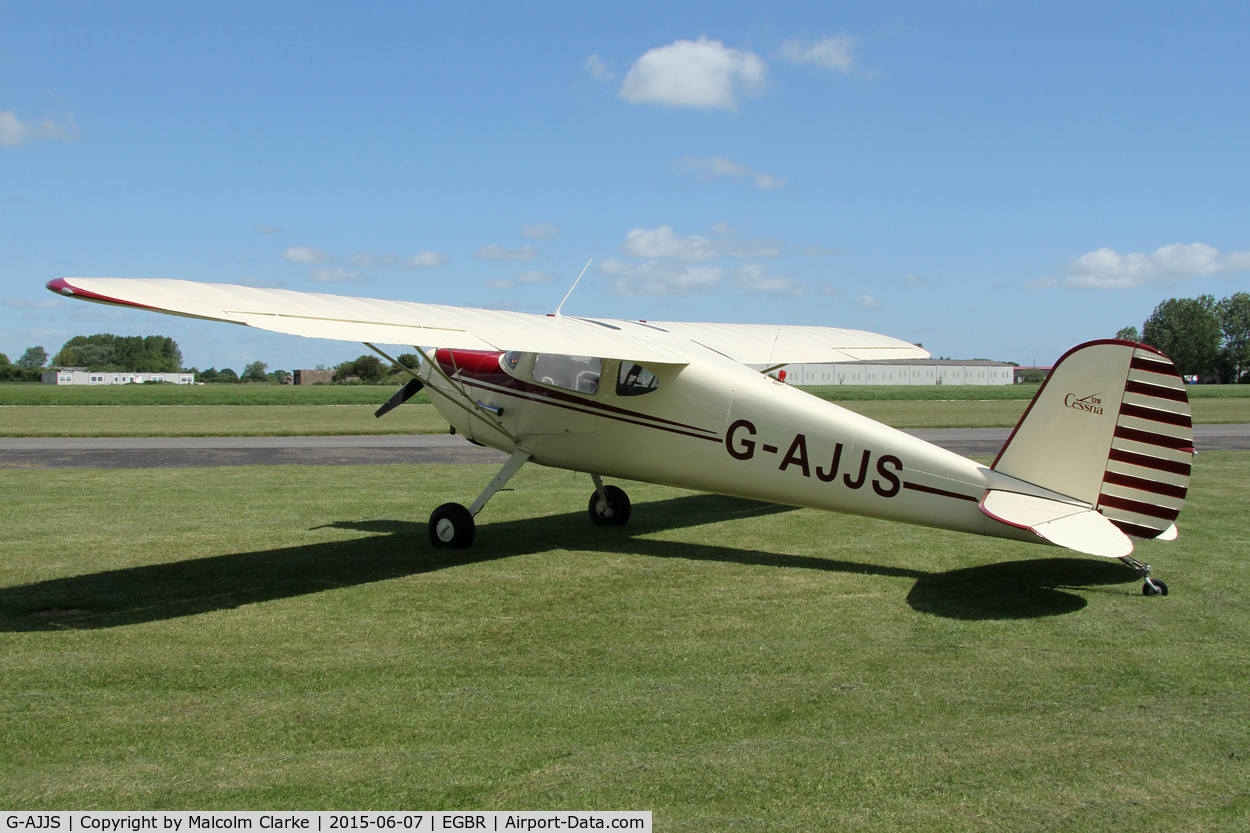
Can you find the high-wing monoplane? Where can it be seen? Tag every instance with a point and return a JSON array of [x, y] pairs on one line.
[[1101, 456]]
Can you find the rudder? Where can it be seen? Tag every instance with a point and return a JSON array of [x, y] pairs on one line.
[[1110, 426]]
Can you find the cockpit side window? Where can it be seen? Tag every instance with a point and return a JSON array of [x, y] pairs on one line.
[[579, 373], [635, 380]]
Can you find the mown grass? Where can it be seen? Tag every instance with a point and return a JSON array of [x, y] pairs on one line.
[[325, 420], [253, 394], [288, 395], [286, 638], [217, 421]]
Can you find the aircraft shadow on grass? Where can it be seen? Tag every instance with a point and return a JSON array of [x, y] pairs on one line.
[[394, 549]]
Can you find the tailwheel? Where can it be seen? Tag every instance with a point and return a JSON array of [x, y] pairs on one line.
[[615, 512], [451, 525], [1152, 586]]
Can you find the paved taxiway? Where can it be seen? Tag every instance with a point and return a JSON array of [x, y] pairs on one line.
[[202, 452]]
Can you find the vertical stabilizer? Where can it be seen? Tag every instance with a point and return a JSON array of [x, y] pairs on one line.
[[1110, 427]]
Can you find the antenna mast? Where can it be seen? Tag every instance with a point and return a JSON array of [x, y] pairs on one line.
[[571, 288]]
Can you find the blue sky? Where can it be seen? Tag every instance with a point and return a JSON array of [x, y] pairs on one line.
[[995, 180]]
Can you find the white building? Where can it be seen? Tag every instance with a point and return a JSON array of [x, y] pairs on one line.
[[902, 372], [78, 376]]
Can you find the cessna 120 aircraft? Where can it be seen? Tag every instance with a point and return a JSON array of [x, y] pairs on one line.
[[1101, 456]]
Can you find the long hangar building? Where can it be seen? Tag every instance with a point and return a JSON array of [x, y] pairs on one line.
[[903, 372]]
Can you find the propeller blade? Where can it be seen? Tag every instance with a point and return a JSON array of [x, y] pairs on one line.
[[401, 396]]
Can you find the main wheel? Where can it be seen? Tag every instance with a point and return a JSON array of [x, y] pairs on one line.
[[451, 525], [615, 513], [1154, 587]]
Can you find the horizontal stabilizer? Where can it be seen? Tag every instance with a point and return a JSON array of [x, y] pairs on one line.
[[1068, 525]]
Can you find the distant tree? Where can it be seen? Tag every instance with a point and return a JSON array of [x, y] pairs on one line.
[[406, 360], [227, 375], [133, 354], [1187, 331], [368, 369], [4, 360], [1234, 315], [255, 372], [1128, 334], [34, 357]]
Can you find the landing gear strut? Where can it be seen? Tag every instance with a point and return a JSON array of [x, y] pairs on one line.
[[1152, 586], [451, 525]]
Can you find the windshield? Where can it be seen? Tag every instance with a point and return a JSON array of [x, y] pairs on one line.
[[579, 373]]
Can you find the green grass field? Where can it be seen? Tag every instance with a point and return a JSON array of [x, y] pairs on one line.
[[286, 638], [284, 410]]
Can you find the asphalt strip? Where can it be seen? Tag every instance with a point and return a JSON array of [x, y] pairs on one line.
[[206, 452]]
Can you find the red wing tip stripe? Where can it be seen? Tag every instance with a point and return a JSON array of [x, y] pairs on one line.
[[1148, 462], [1157, 391], [1137, 530], [942, 492], [1151, 438], [1143, 485], [1164, 368], [62, 287], [1150, 510], [1155, 415]]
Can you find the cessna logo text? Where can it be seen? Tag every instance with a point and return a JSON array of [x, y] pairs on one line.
[[740, 444], [1090, 404]]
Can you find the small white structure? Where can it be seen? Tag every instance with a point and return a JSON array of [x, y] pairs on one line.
[[902, 372], [80, 376]]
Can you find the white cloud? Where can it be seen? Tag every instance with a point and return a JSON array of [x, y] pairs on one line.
[[830, 291], [663, 242], [14, 132], [336, 275], [1108, 269], [540, 231], [499, 283], [595, 67], [368, 260], [22, 303], [867, 302], [655, 278], [300, 254], [424, 260], [31, 338], [535, 277], [755, 277], [704, 74], [494, 252], [720, 166], [832, 52]]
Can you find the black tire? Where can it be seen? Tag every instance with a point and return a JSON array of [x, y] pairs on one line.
[[616, 513], [1154, 587], [451, 525]]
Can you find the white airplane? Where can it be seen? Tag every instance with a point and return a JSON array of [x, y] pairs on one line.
[[1101, 456]]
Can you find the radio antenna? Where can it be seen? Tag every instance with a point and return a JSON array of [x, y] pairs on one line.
[[571, 288]]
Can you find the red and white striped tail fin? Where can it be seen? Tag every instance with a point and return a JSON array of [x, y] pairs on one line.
[[1110, 427], [1148, 466]]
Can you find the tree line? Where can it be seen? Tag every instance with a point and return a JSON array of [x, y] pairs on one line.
[[105, 352], [1204, 337]]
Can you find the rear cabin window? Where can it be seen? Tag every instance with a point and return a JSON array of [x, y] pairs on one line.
[[635, 380], [579, 373]]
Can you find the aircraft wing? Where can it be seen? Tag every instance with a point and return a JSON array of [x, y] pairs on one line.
[[316, 315]]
